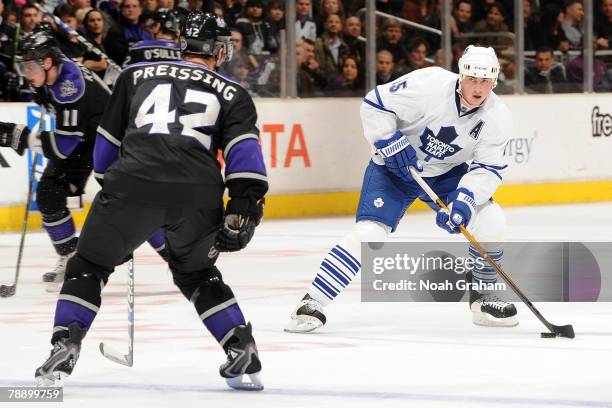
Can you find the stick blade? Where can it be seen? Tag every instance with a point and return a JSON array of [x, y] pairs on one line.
[[560, 331], [115, 356], [7, 291]]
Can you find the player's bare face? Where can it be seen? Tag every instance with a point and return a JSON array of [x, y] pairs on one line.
[[33, 72], [475, 90]]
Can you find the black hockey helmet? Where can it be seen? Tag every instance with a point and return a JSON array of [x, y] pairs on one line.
[[204, 34], [168, 19], [39, 45]]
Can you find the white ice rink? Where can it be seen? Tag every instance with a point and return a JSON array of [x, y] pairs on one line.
[[368, 355]]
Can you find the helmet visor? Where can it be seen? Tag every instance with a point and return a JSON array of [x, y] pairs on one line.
[[31, 69]]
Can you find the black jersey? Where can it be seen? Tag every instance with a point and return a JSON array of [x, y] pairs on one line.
[[160, 135], [154, 51], [77, 99]]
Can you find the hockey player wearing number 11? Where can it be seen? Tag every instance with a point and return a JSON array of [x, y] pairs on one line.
[[437, 122], [157, 146]]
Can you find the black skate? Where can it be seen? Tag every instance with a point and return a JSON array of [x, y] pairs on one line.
[[241, 371], [62, 360], [489, 309], [308, 316]]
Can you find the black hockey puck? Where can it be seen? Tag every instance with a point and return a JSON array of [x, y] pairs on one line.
[[548, 335]]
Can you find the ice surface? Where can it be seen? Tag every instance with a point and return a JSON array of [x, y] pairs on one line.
[[386, 354]]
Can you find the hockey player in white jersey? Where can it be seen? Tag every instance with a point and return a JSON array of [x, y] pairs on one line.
[[453, 129]]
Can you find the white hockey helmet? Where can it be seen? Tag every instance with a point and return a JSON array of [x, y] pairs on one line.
[[479, 62]]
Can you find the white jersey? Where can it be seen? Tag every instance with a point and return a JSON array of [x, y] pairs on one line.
[[424, 105]]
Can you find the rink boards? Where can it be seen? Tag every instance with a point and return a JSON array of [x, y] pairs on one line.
[[315, 154]]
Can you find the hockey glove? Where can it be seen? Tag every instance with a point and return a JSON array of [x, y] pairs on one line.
[[238, 226], [14, 136], [398, 155], [461, 208]]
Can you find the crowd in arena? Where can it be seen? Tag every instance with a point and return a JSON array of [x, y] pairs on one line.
[[330, 51]]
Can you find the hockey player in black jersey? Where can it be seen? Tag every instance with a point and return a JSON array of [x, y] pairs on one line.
[[157, 147], [164, 27], [77, 98]]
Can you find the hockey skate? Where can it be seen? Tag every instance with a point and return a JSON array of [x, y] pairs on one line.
[[308, 316], [55, 278], [62, 360], [488, 309], [242, 369]]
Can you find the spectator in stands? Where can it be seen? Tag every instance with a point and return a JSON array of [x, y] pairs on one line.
[[79, 4], [602, 78], [603, 25], [305, 26], [232, 10], [506, 81], [104, 36], [352, 31], [461, 20], [240, 53], [9, 80], [330, 48], [571, 25], [130, 20], [545, 76], [149, 7], [241, 73], [30, 17], [533, 33], [494, 23], [68, 44], [169, 4], [310, 80], [385, 68], [554, 36], [417, 52], [256, 32], [276, 17], [350, 81], [326, 8], [391, 41]]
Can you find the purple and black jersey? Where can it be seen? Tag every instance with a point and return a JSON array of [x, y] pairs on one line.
[[154, 51], [159, 138], [78, 98]]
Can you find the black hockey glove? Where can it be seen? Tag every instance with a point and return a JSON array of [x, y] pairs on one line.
[[11, 81], [238, 226], [14, 136]]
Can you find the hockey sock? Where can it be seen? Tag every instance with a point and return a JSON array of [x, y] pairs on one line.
[[214, 302], [79, 299], [337, 270], [61, 230], [482, 271], [158, 240]]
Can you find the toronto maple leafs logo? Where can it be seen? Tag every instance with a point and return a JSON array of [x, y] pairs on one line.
[[439, 146]]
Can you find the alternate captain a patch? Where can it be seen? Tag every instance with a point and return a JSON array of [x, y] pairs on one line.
[[475, 132]]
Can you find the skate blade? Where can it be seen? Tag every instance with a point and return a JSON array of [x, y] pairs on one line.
[[303, 324], [246, 382], [485, 319], [54, 380]]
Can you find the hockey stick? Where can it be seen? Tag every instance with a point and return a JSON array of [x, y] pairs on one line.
[[111, 353], [555, 331], [8, 291], [90, 47]]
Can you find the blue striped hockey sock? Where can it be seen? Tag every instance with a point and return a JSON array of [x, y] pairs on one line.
[[482, 271], [337, 270]]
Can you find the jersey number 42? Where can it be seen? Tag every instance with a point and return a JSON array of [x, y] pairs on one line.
[[155, 111]]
